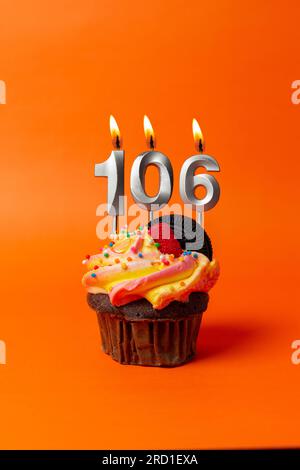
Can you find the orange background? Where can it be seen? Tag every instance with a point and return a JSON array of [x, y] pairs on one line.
[[67, 66]]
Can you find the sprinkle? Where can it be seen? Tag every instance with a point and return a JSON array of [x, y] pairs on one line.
[[157, 244], [94, 275], [141, 227], [88, 256], [84, 261], [140, 255], [124, 266], [182, 283], [188, 252], [172, 256], [129, 258], [96, 267], [195, 255], [117, 260], [106, 254], [101, 249], [111, 244], [133, 249], [128, 235], [181, 258], [105, 246], [166, 262]]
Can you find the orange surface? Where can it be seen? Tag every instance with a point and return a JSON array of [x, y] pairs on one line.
[[67, 66]]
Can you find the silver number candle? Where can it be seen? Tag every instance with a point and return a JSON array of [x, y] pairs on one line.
[[138, 171], [189, 181], [113, 169]]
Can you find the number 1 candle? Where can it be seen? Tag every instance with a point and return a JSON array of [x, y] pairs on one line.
[[113, 169]]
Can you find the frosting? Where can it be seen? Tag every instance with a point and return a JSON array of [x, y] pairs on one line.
[[131, 267]]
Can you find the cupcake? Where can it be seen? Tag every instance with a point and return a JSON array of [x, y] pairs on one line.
[[149, 295]]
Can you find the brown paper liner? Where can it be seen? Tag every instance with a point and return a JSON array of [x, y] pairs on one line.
[[163, 342]]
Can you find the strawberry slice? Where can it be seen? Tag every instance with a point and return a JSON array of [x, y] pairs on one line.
[[164, 235]]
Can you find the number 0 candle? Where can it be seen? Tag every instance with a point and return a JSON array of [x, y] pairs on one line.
[[137, 179]]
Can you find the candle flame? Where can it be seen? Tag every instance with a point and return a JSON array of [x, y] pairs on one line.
[[198, 136], [149, 133], [115, 133]]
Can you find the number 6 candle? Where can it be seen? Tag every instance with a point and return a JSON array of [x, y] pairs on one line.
[[189, 181], [113, 169]]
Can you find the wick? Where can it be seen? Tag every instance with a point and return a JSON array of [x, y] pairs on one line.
[[201, 146], [118, 146], [151, 142]]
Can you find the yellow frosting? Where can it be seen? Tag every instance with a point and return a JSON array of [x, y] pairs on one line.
[[133, 267]]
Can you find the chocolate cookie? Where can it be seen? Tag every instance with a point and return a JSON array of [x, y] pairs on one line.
[[187, 230]]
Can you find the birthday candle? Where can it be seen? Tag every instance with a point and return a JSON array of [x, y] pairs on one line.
[[189, 181], [137, 179], [113, 169]]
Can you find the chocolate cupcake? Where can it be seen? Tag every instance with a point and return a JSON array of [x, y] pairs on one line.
[[138, 334], [149, 304]]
